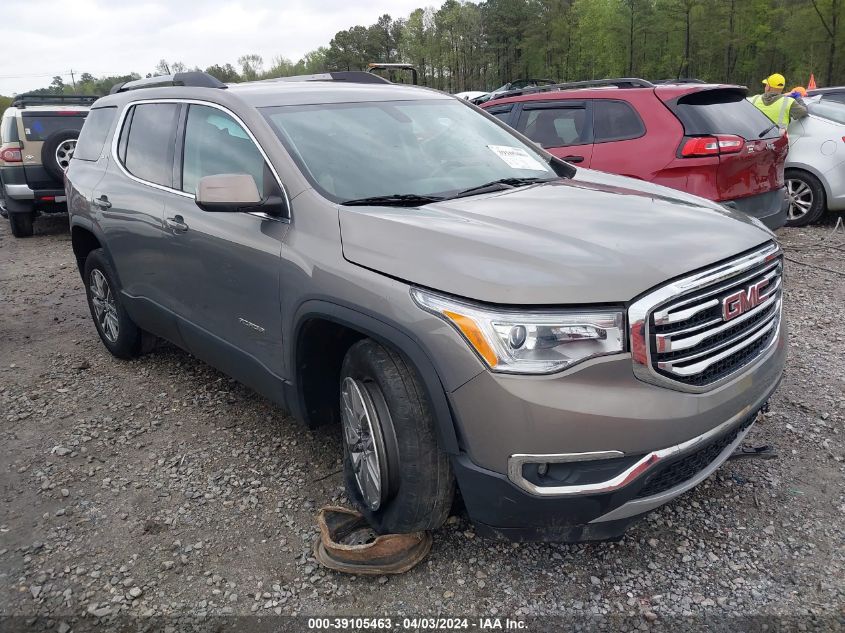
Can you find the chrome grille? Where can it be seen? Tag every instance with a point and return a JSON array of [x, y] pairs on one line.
[[698, 331]]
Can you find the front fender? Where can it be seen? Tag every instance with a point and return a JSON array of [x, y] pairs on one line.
[[389, 334]]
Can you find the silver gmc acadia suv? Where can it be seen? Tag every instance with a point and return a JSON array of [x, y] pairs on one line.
[[569, 349]]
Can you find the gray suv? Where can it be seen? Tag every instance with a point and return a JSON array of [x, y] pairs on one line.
[[568, 349]]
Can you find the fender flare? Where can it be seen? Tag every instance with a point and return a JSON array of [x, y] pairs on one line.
[[90, 226], [389, 334]]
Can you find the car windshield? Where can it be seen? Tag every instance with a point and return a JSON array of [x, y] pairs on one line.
[[431, 147], [829, 110]]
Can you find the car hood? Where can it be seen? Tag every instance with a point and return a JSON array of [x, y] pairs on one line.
[[594, 239]]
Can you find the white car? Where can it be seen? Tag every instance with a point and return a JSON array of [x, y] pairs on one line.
[[469, 95], [815, 165]]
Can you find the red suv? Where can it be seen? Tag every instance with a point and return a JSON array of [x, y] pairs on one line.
[[705, 139]]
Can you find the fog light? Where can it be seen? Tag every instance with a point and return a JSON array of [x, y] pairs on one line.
[[542, 469]]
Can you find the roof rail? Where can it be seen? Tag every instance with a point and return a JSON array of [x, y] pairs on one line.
[[193, 79], [372, 67], [620, 82], [351, 76], [21, 101]]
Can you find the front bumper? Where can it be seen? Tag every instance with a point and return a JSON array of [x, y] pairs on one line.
[[770, 207], [644, 445]]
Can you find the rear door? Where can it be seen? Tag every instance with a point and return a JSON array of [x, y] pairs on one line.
[[619, 140], [752, 151], [90, 160], [564, 128], [129, 202]]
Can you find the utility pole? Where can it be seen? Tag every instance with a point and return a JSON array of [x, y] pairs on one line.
[[72, 80]]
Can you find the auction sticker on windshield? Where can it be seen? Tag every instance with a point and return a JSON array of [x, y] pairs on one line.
[[516, 157]]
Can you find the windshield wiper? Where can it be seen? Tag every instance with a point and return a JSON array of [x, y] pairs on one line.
[[500, 185], [767, 130], [393, 200]]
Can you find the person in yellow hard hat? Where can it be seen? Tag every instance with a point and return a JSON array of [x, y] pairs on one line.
[[780, 108]]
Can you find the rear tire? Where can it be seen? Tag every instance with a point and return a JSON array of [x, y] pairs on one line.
[[807, 200], [22, 224], [118, 332], [57, 151], [416, 481]]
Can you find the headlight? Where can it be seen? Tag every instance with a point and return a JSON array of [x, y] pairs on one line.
[[529, 342]]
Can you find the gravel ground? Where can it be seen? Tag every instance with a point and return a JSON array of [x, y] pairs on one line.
[[160, 487]]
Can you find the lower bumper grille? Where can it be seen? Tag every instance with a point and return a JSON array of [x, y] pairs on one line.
[[685, 468]]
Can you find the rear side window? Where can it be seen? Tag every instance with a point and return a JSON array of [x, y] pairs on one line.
[[830, 110], [722, 112], [555, 126], [838, 97], [216, 144], [147, 142], [92, 138], [9, 130], [615, 121], [39, 126]]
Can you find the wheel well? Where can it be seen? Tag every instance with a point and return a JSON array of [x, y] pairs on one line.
[[803, 170], [321, 347], [84, 241]]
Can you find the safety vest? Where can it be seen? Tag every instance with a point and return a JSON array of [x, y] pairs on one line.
[[777, 111]]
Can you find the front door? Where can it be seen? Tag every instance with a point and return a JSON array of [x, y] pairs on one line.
[[224, 278], [563, 128]]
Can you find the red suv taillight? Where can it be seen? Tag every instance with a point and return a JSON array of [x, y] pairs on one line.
[[11, 155], [711, 145]]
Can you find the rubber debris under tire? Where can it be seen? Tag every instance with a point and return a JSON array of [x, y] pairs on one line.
[[347, 543]]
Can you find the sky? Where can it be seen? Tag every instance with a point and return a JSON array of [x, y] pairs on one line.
[[113, 37]]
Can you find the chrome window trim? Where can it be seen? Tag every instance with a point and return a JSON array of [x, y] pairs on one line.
[[640, 311], [119, 129], [627, 476]]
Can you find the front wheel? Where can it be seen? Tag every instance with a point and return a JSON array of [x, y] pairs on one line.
[[118, 332], [806, 198], [396, 473]]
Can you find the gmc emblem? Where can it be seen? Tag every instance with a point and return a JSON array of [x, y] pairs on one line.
[[742, 301]]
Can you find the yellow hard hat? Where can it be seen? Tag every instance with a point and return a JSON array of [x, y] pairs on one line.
[[775, 81]]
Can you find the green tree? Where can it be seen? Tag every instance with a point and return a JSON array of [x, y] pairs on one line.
[[225, 73], [252, 66]]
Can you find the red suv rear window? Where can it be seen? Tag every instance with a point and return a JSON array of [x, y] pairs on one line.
[[722, 111]]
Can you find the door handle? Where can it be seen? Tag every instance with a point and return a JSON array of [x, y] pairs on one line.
[[103, 202], [573, 159], [177, 223]]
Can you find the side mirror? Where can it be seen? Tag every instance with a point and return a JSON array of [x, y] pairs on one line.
[[227, 193]]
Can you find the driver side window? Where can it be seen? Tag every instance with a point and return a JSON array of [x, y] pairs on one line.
[[217, 144]]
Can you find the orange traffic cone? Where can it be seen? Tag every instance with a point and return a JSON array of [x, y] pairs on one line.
[[811, 85]]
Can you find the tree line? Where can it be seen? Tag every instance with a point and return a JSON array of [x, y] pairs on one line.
[[479, 46]]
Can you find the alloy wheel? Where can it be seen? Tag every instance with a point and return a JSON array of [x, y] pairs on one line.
[[105, 308], [64, 152], [362, 435], [800, 199]]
